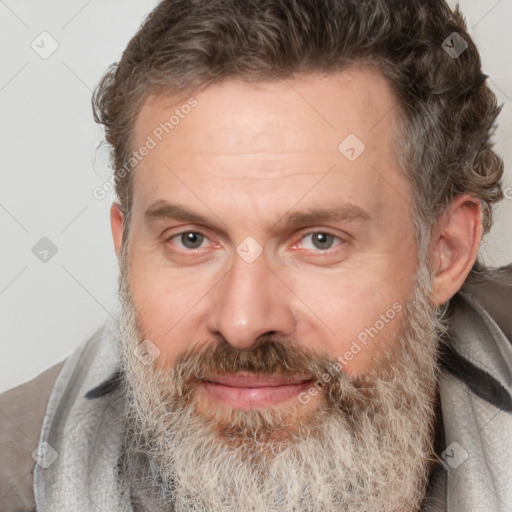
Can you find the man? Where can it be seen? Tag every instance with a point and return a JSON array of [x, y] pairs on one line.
[[303, 323]]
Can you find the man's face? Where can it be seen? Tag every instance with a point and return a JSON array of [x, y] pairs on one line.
[[261, 252], [250, 159]]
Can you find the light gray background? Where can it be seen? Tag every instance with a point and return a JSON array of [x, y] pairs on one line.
[[47, 147]]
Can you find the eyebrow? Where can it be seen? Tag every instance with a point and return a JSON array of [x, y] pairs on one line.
[[334, 213], [162, 210]]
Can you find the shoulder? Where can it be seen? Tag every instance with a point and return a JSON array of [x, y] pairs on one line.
[[22, 411], [479, 339], [492, 290]]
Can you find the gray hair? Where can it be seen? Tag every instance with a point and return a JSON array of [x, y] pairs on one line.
[[446, 111]]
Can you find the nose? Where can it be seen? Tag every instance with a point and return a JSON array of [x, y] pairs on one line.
[[251, 301]]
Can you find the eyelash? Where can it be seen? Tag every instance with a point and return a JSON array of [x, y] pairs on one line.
[[327, 251]]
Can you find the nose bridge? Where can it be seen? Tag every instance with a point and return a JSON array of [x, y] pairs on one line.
[[250, 302]]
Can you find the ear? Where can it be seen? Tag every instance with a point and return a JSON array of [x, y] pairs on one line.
[[454, 246], [116, 223]]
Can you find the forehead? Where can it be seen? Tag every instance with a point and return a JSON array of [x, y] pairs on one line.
[[244, 140], [354, 99]]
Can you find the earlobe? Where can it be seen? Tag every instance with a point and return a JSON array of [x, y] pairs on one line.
[[454, 246], [116, 223]]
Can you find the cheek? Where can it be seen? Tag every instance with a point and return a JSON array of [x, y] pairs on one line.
[[167, 302], [349, 312], [352, 314]]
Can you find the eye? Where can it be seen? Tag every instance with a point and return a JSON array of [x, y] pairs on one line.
[[189, 239], [320, 240]]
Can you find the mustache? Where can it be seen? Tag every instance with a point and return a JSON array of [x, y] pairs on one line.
[[268, 357]]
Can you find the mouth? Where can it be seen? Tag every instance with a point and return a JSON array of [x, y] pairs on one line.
[[251, 391]]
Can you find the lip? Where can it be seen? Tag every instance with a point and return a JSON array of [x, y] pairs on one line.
[[251, 391]]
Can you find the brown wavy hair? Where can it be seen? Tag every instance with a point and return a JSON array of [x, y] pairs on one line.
[[446, 111]]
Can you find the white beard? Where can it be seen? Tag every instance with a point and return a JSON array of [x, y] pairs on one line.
[[367, 448]]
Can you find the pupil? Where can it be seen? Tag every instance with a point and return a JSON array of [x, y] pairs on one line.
[[322, 239], [191, 240]]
